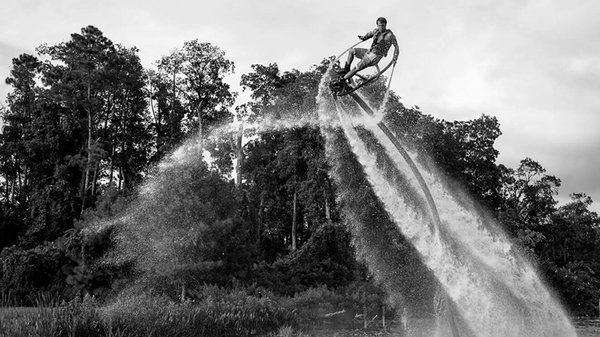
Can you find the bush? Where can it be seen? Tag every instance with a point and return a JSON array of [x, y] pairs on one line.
[[27, 273], [327, 259]]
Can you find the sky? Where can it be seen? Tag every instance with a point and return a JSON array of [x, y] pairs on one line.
[[534, 65]]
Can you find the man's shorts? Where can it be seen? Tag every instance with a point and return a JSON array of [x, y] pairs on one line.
[[367, 58]]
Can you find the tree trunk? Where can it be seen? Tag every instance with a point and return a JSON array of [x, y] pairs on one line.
[[19, 183], [120, 178], [12, 189], [89, 154], [157, 119], [294, 218], [259, 222], [112, 164], [364, 309], [239, 155], [174, 92], [95, 178], [200, 135], [327, 211]]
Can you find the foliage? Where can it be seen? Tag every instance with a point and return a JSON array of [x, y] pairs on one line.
[[528, 202], [10, 225], [285, 170], [192, 79], [74, 126], [461, 150], [25, 274], [570, 254], [325, 260]]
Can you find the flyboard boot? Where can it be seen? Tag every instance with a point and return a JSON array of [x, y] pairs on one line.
[[340, 84], [344, 71]]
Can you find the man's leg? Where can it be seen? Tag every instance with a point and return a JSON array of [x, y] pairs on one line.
[[366, 60], [351, 54], [358, 52], [356, 69]]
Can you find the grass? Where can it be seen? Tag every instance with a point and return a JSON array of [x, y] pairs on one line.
[[219, 313], [34, 321], [146, 315]]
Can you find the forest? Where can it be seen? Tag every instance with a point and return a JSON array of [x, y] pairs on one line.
[[118, 181]]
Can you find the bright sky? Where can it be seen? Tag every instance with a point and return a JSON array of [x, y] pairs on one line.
[[535, 65]]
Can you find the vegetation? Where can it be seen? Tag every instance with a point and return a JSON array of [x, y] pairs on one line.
[[108, 206]]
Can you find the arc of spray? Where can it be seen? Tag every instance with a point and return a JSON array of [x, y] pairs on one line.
[[432, 207]]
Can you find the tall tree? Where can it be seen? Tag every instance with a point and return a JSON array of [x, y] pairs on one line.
[[101, 86], [32, 144], [528, 201], [17, 126], [123, 126], [198, 71], [474, 161], [166, 113], [286, 169], [23, 163], [77, 80]]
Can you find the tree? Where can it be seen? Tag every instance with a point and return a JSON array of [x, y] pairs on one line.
[[77, 81], [99, 85], [528, 201], [73, 135], [17, 133], [474, 163], [462, 150], [167, 114], [286, 170], [327, 259], [570, 254], [32, 145], [197, 71]]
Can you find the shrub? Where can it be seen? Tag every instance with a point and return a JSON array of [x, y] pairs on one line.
[[26, 273], [326, 259]]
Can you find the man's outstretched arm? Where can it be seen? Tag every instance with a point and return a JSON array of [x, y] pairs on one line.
[[396, 49], [368, 35]]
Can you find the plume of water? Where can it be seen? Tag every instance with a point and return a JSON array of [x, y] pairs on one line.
[[172, 213], [495, 290]]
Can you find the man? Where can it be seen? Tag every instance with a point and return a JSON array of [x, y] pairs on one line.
[[383, 39]]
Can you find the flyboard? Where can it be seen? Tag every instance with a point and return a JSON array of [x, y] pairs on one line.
[[341, 88]]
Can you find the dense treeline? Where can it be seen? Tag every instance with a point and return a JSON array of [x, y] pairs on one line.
[[86, 125]]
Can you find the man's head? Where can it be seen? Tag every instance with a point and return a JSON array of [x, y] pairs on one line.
[[381, 23]]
